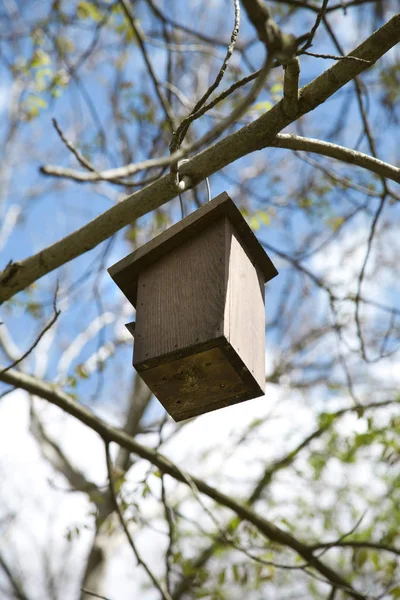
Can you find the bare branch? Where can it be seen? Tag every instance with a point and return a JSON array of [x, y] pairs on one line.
[[78, 155], [181, 131], [335, 57], [361, 275], [108, 434], [283, 46], [40, 336], [317, 23], [14, 581], [140, 39], [296, 142], [255, 136], [357, 544], [164, 593], [54, 454], [171, 534]]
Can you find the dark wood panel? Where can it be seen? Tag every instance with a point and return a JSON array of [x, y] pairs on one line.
[[181, 298], [197, 384]]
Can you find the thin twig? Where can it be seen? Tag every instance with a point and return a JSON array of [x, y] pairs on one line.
[[171, 532], [335, 57], [362, 274], [317, 23], [181, 131], [238, 112], [39, 337], [332, 593], [164, 593], [79, 157], [342, 537], [140, 39], [357, 544]]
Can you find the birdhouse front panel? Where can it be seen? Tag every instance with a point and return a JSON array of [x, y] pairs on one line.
[[181, 298]]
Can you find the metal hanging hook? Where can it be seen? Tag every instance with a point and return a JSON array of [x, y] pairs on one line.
[[185, 182]]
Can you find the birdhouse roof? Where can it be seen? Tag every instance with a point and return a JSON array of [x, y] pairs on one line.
[[125, 272]]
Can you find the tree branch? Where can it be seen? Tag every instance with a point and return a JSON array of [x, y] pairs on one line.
[[265, 480], [15, 583], [164, 593], [255, 136], [140, 39], [353, 157], [109, 434], [357, 544], [290, 103], [41, 334], [52, 452], [183, 127]]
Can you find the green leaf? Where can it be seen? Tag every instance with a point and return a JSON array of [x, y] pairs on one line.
[[187, 568], [360, 556], [325, 420], [335, 223], [262, 106], [236, 574], [277, 88], [81, 371], [40, 58], [318, 463], [34, 309], [87, 10], [71, 381]]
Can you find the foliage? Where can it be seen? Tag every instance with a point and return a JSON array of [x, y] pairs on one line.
[[293, 495]]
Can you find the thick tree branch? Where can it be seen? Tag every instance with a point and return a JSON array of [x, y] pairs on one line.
[[290, 103], [255, 136], [353, 157], [281, 45], [112, 434]]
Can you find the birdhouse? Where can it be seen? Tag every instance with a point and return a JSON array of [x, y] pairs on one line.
[[198, 290]]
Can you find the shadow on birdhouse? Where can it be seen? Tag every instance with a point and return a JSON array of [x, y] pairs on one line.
[[198, 290]]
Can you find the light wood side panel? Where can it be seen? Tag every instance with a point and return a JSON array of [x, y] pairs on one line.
[[245, 311]]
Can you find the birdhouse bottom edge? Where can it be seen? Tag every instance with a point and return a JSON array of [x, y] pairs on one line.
[[200, 379]]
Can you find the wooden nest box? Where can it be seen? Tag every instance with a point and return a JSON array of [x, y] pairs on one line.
[[198, 290]]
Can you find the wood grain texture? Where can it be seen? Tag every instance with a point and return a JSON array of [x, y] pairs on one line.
[[198, 383], [244, 322], [181, 297], [188, 386]]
